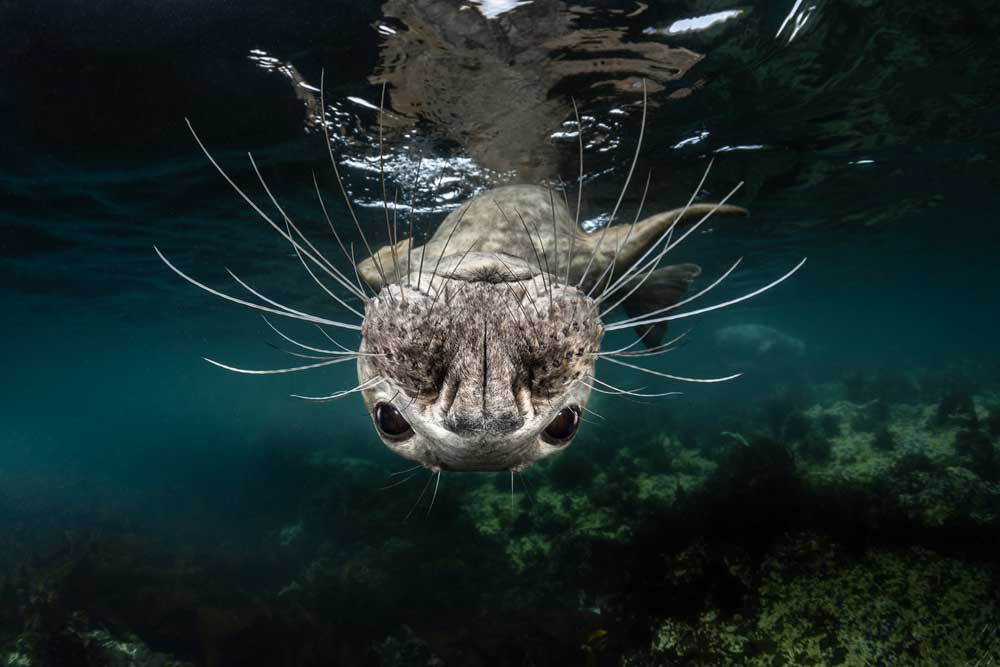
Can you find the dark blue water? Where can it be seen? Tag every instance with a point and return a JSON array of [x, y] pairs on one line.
[[836, 505]]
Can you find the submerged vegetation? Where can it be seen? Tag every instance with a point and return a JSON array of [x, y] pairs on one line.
[[864, 533]]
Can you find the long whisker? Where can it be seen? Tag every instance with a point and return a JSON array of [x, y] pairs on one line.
[[650, 267], [512, 493], [667, 234], [647, 270], [638, 340], [579, 191], [322, 286], [632, 392], [309, 347], [317, 257], [278, 371], [454, 229], [609, 271], [677, 316], [689, 299], [253, 204], [257, 294], [331, 339], [403, 472], [385, 196], [340, 394], [340, 181], [398, 482], [409, 219], [293, 353], [628, 179], [420, 497], [435, 494], [541, 245], [284, 313], [534, 250], [523, 288], [671, 377], [343, 248], [555, 234], [453, 272]]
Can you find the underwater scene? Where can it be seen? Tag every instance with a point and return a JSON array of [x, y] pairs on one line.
[[701, 366]]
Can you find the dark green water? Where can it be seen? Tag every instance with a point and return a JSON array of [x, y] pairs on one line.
[[839, 504]]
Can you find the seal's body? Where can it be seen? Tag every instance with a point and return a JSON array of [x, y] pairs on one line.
[[480, 344]]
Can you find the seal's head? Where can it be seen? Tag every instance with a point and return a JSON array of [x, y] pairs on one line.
[[486, 367]]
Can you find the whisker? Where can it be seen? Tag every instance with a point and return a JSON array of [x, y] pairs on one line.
[[511, 493], [293, 353], [579, 191], [609, 271], [707, 309], [555, 234], [318, 259], [343, 248], [322, 286], [385, 196], [403, 472], [398, 482], [672, 377], [453, 271], [309, 347], [331, 339], [254, 205], [545, 256], [668, 233], [648, 269], [639, 340], [435, 494], [680, 303], [278, 370], [591, 412], [319, 262], [534, 250], [284, 313], [628, 179], [340, 181], [257, 294], [368, 384], [454, 229], [523, 288], [631, 392], [409, 219], [420, 497]]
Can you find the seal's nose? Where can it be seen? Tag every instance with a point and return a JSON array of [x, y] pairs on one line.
[[480, 423]]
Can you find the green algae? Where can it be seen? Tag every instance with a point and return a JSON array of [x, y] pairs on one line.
[[815, 604]]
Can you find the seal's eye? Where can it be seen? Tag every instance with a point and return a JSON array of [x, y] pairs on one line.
[[391, 423], [562, 429]]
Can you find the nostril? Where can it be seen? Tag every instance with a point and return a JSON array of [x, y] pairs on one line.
[[489, 424]]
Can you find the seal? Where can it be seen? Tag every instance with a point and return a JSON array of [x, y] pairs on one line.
[[478, 348]]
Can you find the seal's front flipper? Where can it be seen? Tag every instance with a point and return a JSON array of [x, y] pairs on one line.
[[662, 288]]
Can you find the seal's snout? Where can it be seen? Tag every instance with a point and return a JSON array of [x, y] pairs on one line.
[[490, 424]]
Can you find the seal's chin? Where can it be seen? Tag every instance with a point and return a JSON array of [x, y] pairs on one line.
[[488, 455]]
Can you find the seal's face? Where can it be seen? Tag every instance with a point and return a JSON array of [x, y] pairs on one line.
[[488, 372]]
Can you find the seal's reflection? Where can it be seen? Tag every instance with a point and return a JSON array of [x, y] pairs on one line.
[[493, 83]]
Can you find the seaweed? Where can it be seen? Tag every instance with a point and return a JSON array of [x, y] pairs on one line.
[[956, 408], [976, 449], [874, 416], [829, 425], [815, 448], [884, 440]]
